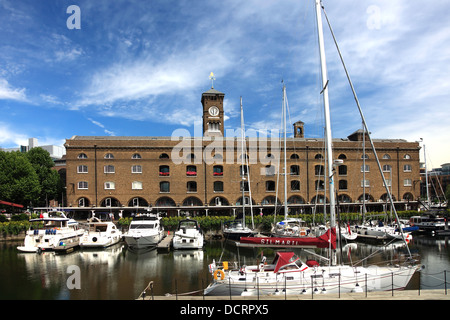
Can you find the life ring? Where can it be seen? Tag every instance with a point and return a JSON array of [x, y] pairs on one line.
[[302, 233], [222, 274]]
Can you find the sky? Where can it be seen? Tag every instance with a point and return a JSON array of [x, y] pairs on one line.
[[139, 68]]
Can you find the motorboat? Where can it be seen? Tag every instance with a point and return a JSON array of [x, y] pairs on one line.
[[381, 231], [288, 274], [235, 229], [51, 230], [188, 235], [428, 222], [145, 231], [100, 233]]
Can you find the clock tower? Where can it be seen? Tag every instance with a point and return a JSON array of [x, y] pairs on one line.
[[212, 102]]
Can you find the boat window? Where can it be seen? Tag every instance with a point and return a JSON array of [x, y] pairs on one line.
[[142, 226]]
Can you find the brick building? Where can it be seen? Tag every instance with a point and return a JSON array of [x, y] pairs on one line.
[[207, 175]]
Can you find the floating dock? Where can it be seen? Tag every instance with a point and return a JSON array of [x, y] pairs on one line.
[[165, 244]]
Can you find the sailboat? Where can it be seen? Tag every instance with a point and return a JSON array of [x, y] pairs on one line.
[[288, 272], [289, 227], [235, 229]]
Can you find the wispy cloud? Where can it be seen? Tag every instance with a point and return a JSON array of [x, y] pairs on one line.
[[7, 92], [99, 124]]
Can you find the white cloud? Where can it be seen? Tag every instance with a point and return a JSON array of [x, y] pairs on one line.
[[7, 92], [10, 138]]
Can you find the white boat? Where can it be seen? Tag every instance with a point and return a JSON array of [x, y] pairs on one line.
[[290, 227], [51, 230], [235, 229], [429, 221], [287, 272], [188, 235], [379, 231], [145, 231], [100, 233]]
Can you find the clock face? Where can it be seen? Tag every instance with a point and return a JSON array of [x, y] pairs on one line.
[[214, 111]]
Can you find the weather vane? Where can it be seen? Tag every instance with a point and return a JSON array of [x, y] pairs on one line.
[[212, 78]]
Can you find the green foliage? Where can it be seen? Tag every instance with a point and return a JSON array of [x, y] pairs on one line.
[[27, 178]]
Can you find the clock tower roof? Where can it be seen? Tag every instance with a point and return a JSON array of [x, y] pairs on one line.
[[213, 91]]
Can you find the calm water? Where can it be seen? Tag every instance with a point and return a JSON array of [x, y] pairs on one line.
[[117, 273]]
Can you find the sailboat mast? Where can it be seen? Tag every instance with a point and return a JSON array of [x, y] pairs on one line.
[[284, 151], [327, 114], [242, 165], [426, 177]]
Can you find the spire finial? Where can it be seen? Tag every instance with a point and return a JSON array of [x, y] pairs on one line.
[[212, 78]]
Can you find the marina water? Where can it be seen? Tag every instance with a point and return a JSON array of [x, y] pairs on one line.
[[121, 274]]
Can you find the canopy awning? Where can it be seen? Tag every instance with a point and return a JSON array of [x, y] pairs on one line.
[[11, 204]]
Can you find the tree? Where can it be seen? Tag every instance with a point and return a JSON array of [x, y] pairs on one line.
[[49, 179], [19, 182]]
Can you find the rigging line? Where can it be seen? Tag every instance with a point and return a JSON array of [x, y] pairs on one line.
[[365, 125]]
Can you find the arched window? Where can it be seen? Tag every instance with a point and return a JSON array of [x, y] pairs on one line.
[[109, 156], [136, 156], [82, 156]]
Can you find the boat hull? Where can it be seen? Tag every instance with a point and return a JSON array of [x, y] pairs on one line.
[[99, 241], [142, 241], [180, 242], [314, 281]]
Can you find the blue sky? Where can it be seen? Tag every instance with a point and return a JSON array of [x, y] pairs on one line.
[[138, 68]]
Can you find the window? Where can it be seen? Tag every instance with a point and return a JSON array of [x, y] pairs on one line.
[[164, 186], [342, 170], [136, 156], [386, 157], [295, 185], [295, 170], [136, 185], [320, 185], [270, 170], [218, 186], [83, 202], [342, 156], [191, 171], [388, 182], [214, 126], [318, 170], [407, 182], [164, 156], [82, 156], [270, 186], [136, 169], [244, 186], [109, 185], [82, 185], [386, 168], [82, 169], [109, 156], [342, 184], [218, 170], [318, 156], [365, 168], [407, 168], [365, 156], [406, 157], [243, 170], [294, 156], [164, 171], [109, 169], [367, 183], [191, 186]]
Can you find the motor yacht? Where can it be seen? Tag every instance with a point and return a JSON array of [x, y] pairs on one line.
[[188, 235], [145, 231], [100, 233], [51, 230]]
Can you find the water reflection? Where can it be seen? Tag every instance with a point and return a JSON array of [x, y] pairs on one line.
[[118, 273]]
